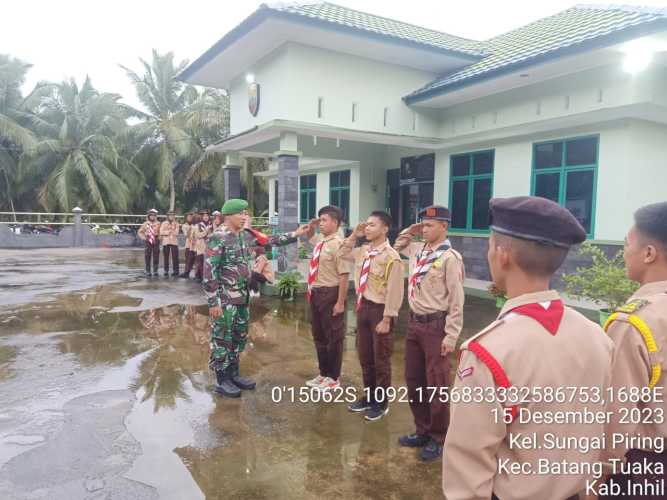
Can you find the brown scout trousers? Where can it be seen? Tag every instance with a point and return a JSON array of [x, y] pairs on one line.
[[152, 254], [173, 251], [374, 349], [425, 368], [199, 266], [328, 331], [189, 260]]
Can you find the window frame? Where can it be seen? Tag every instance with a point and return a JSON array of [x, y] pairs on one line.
[[471, 178], [308, 191], [338, 189], [564, 169]]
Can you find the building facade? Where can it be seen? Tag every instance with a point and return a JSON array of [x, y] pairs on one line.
[[369, 113]]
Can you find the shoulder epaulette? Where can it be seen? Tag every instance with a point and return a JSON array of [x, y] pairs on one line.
[[632, 307]]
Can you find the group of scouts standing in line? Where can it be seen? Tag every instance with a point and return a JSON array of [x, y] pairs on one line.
[[536, 342]]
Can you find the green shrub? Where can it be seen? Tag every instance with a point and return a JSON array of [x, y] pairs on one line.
[[288, 285], [604, 281]]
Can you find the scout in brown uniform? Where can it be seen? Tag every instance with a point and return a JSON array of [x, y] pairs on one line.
[[436, 297], [379, 282], [186, 228], [200, 235], [639, 332], [217, 219], [506, 448], [150, 233], [328, 281], [169, 235]]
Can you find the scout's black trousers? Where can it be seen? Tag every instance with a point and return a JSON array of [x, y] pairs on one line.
[[170, 250], [152, 253]]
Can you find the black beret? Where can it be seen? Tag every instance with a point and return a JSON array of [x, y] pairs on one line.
[[536, 219], [435, 212]]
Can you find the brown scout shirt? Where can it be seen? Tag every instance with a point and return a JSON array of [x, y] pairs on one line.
[[385, 279], [331, 266], [478, 444], [144, 229], [169, 233], [185, 229], [442, 287], [632, 368], [199, 234]]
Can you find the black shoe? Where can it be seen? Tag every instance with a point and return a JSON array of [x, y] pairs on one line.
[[184, 275], [432, 451], [376, 412], [241, 382], [414, 440], [147, 274], [166, 274], [175, 274], [361, 405], [155, 273], [225, 386]]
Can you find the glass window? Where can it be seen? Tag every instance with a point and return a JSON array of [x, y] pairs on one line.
[[308, 195], [571, 180], [471, 188], [582, 151], [548, 155], [339, 191]]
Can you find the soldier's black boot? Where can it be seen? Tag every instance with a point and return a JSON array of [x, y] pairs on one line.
[[225, 386], [241, 382]]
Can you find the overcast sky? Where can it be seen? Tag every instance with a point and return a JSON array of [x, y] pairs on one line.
[[65, 38]]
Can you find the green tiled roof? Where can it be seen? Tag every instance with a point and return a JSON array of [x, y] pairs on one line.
[[579, 27], [339, 16]]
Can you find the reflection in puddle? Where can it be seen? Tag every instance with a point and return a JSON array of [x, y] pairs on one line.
[[247, 448]]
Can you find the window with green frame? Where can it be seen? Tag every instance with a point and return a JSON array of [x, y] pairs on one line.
[[470, 189], [308, 194], [565, 171], [339, 191]]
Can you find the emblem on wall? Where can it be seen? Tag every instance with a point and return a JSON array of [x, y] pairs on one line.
[[253, 98]]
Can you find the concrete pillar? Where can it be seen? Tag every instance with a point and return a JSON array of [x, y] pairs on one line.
[[288, 197], [232, 175], [78, 228]]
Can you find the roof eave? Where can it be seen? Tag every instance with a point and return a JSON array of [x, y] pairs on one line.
[[264, 12], [595, 43]]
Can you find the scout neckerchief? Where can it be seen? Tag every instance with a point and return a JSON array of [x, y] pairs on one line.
[[425, 260], [150, 237], [548, 314], [363, 276], [314, 267]]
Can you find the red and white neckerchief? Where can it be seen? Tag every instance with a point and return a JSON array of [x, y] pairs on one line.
[[548, 314], [314, 267], [425, 260], [363, 276], [150, 236]]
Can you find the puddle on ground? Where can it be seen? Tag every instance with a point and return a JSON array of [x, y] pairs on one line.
[[207, 446]]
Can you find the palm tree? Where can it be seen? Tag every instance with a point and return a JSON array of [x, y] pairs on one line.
[[14, 137], [77, 159], [179, 122]]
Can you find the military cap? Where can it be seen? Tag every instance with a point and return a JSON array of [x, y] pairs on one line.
[[152, 211], [234, 206], [535, 219], [435, 212]]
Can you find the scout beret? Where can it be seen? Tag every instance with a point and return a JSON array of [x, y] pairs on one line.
[[203, 211], [234, 206], [535, 219], [435, 212]]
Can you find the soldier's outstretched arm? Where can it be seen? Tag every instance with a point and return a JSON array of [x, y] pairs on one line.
[[212, 276], [476, 430]]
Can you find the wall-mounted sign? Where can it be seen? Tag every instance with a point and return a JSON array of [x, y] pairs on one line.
[[253, 98]]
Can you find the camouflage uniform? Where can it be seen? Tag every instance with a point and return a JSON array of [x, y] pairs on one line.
[[227, 273]]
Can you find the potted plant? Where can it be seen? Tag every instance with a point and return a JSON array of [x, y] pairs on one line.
[[288, 284], [500, 296], [604, 282]]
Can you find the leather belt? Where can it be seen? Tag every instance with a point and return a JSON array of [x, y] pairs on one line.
[[427, 318]]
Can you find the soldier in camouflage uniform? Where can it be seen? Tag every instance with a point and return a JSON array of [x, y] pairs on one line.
[[227, 278]]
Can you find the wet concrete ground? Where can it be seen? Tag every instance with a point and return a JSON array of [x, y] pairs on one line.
[[105, 394]]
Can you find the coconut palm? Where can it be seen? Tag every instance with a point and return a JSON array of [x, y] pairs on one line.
[[76, 158], [179, 122]]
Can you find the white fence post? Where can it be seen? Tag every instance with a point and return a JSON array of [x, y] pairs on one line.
[[78, 231]]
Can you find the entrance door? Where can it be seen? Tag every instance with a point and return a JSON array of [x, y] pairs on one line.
[[414, 197]]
